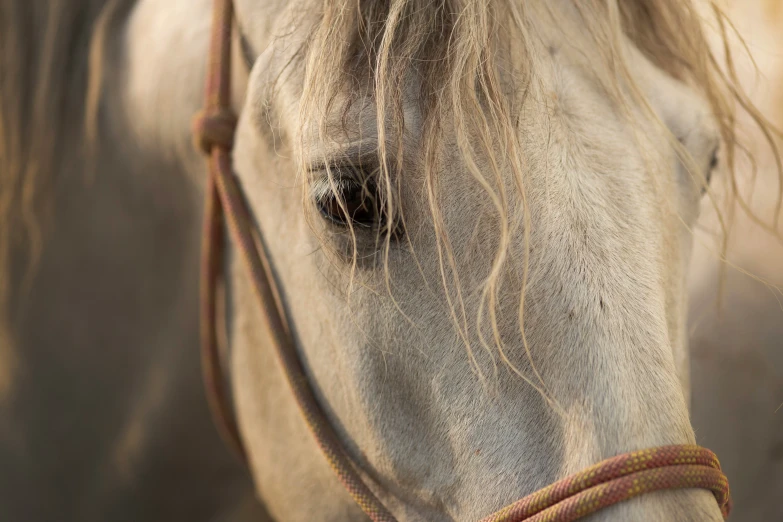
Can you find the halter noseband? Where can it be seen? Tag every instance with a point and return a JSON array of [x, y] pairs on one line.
[[604, 484]]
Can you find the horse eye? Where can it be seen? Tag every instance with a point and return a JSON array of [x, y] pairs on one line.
[[350, 202], [713, 165], [714, 160]]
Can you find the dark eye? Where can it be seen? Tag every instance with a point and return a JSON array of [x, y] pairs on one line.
[[714, 161], [350, 200]]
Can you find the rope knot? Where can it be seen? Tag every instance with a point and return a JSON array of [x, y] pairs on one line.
[[214, 128]]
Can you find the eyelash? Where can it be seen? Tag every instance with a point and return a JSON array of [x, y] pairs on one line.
[[348, 201], [714, 161], [351, 195], [352, 198]]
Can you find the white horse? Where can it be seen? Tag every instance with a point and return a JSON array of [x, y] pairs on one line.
[[479, 212]]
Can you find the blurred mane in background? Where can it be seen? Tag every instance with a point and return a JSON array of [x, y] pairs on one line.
[[101, 418]]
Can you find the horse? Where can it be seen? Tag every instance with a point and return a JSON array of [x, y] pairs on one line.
[[479, 214]]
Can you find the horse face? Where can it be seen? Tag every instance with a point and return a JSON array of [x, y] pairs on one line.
[[408, 276]]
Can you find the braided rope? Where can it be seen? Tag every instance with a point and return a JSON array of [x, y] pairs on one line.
[[607, 483], [620, 478]]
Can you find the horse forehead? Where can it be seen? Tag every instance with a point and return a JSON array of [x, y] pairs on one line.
[[565, 69]]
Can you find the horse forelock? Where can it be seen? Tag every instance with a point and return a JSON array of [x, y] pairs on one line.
[[456, 54]]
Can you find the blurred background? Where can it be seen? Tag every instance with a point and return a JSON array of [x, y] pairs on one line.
[[737, 328]]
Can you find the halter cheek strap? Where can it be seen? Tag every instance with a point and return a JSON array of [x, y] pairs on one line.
[[224, 202], [607, 483]]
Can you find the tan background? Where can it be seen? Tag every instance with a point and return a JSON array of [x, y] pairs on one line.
[[737, 347]]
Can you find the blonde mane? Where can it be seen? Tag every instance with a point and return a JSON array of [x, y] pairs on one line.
[[455, 50]]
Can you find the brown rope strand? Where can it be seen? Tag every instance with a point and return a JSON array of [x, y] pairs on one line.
[[223, 196], [257, 265], [216, 103]]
